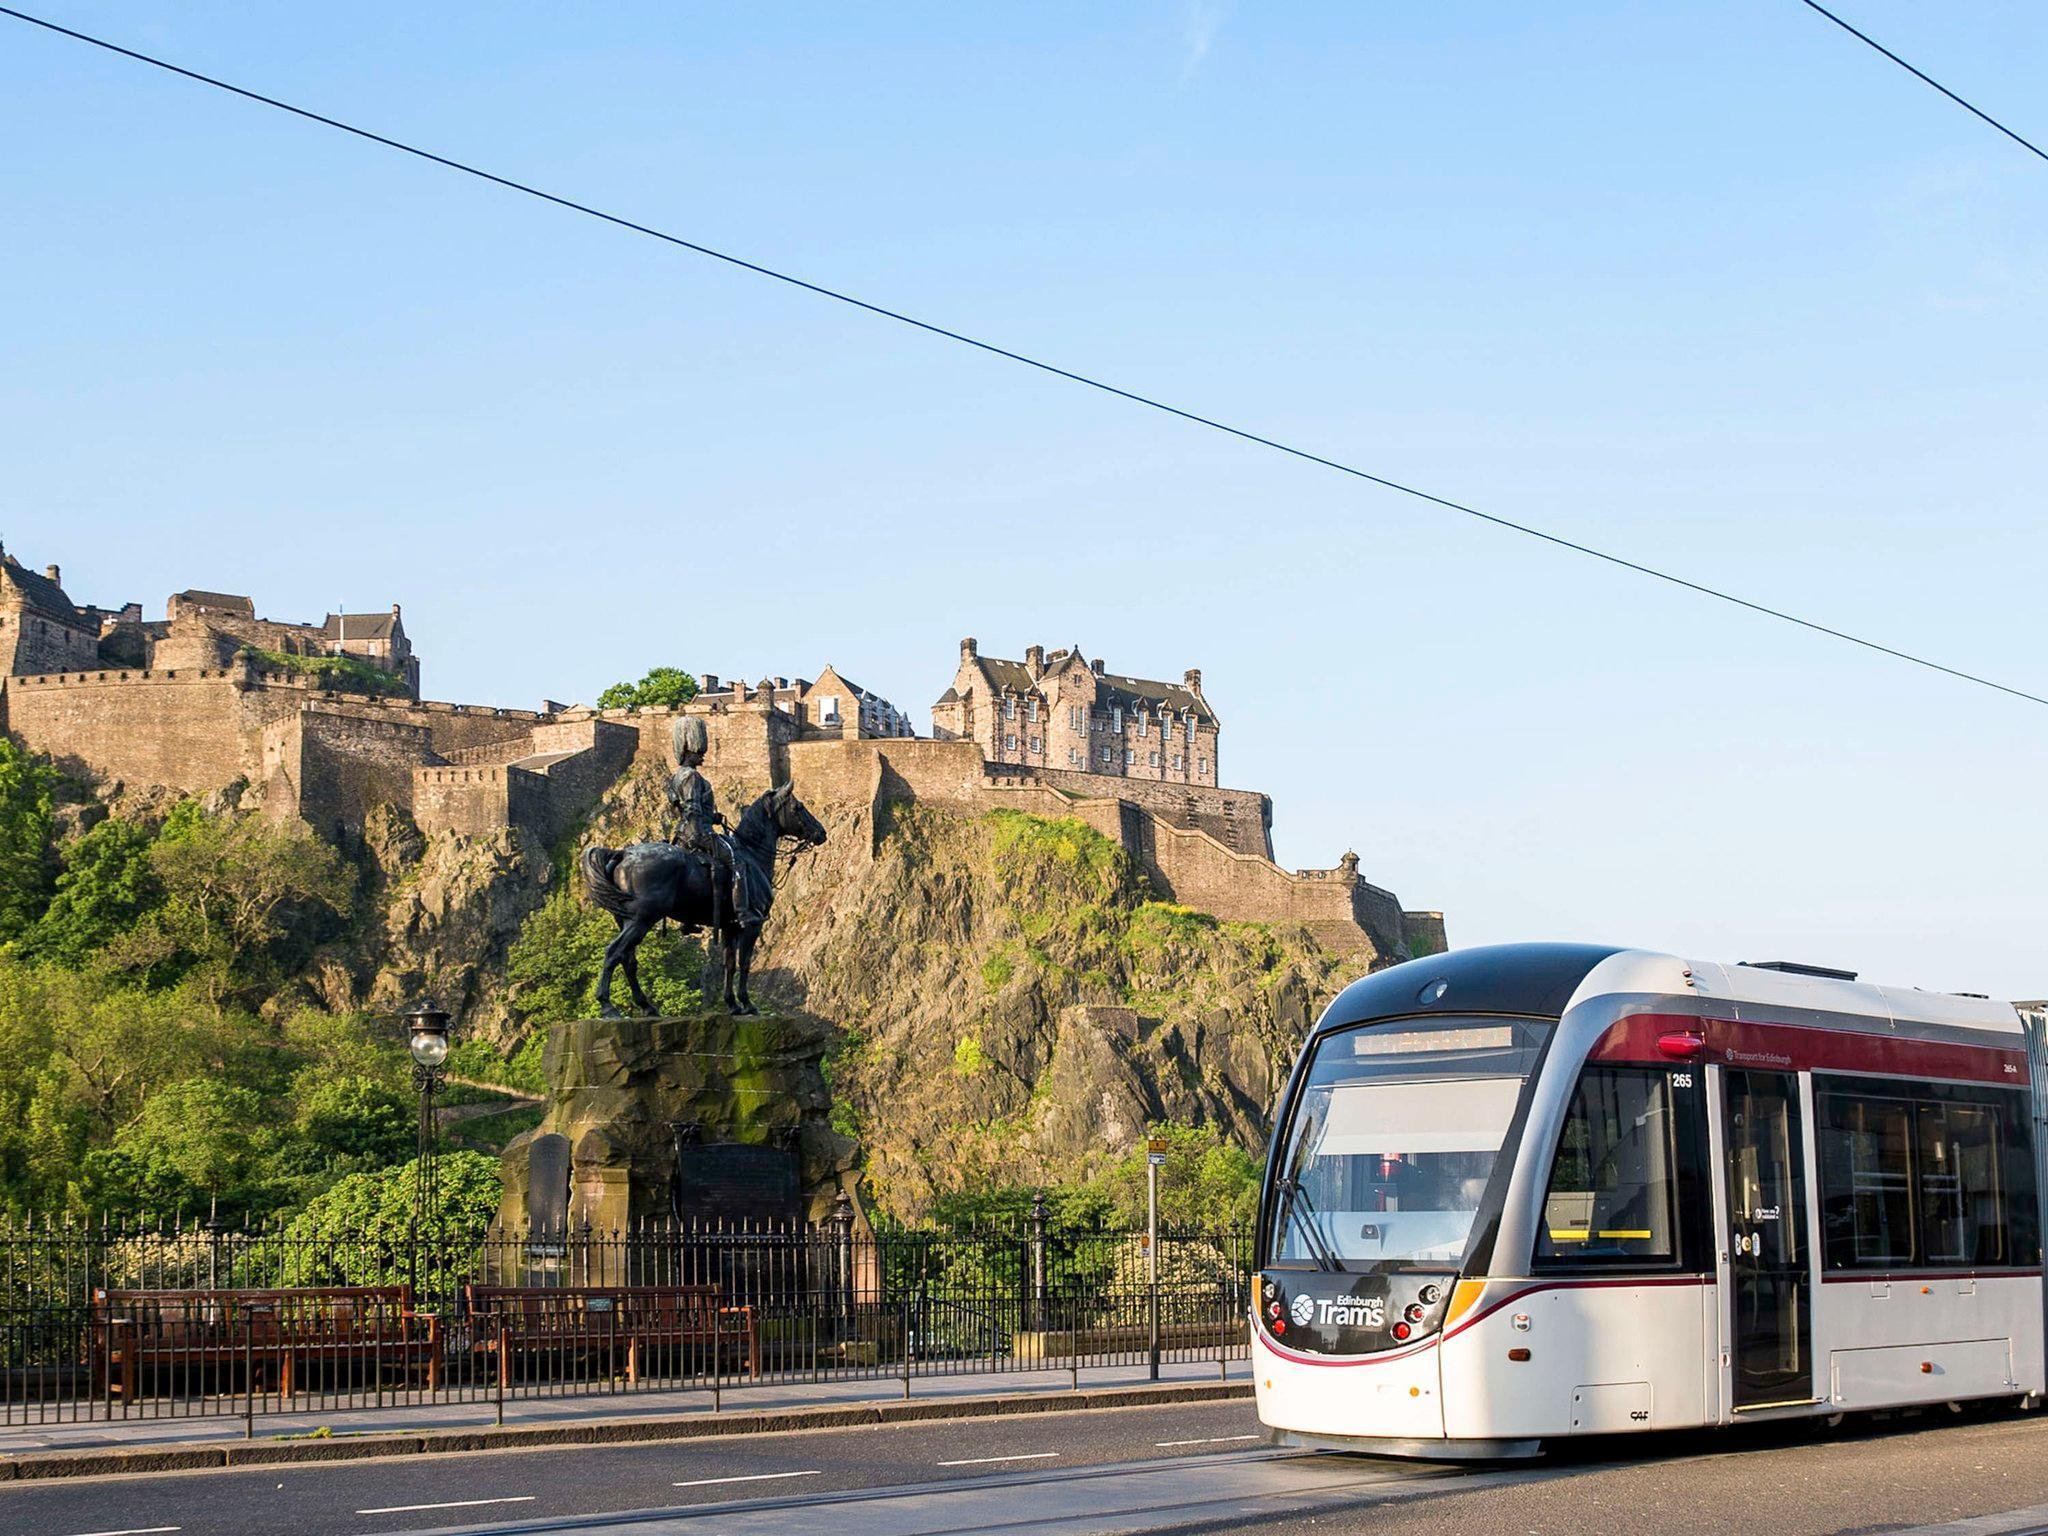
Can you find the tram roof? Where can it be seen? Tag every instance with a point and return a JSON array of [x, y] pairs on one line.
[[1542, 980]]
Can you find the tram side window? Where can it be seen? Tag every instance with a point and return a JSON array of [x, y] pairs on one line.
[[1613, 1187], [1938, 1178], [1866, 1180], [1960, 1204]]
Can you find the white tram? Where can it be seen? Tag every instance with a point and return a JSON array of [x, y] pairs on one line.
[[1539, 1190]]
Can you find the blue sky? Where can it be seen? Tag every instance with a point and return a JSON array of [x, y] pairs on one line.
[[1709, 284]]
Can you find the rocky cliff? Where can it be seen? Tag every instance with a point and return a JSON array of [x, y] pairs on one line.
[[1005, 1001], [1011, 1006]]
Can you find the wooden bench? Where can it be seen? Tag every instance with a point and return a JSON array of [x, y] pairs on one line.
[[581, 1320], [275, 1331]]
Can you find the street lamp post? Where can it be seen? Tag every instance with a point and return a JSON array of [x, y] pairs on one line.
[[427, 1040]]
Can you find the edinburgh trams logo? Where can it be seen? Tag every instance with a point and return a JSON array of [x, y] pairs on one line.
[[1346, 1312]]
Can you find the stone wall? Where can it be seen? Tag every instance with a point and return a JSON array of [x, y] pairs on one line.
[[1188, 865], [1237, 818], [348, 762], [469, 800], [186, 730]]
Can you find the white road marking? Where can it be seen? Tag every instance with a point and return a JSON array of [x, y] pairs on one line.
[[1207, 1440], [982, 1461], [136, 1530], [406, 1509], [746, 1477]]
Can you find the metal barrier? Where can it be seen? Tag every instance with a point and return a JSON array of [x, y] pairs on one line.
[[113, 1321]]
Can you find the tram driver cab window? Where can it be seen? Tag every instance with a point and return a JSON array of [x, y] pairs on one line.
[[1613, 1192]]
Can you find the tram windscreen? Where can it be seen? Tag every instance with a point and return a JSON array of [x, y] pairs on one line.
[[1393, 1138]]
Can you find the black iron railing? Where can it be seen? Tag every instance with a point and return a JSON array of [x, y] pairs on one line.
[[121, 1320]]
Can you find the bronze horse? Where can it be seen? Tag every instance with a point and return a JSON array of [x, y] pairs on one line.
[[647, 882]]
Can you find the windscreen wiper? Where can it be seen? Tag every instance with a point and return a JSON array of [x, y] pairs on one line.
[[1291, 1189], [1312, 1228]]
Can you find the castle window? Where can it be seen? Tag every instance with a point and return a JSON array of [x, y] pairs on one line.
[[1201, 767], [1130, 758], [1155, 759], [1037, 745], [1073, 757], [1031, 711], [1176, 762], [1141, 725], [1116, 719], [1074, 718], [1009, 743], [1009, 709], [1104, 754]]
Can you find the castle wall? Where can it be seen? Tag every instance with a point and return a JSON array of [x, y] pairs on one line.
[[350, 761], [471, 800], [1189, 865], [1237, 818], [554, 800], [748, 743], [193, 731]]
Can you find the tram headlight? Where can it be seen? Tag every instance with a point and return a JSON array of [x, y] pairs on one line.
[[1414, 1313], [1430, 1294]]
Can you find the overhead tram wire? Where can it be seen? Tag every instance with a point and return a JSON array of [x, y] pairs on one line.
[[2026, 144], [1557, 541]]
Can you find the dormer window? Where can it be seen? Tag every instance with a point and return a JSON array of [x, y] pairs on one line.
[[1010, 707]]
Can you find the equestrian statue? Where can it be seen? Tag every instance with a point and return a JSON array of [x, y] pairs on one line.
[[699, 877]]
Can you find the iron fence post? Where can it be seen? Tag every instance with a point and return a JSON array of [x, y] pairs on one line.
[[248, 1374]]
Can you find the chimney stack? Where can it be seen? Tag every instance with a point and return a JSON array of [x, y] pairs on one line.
[[710, 682], [968, 649], [1034, 660], [1095, 666], [1193, 678], [51, 572]]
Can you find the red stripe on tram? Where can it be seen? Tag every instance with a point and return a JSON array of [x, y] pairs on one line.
[[1799, 1048]]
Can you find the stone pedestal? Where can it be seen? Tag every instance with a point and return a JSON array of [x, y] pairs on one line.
[[617, 1089]]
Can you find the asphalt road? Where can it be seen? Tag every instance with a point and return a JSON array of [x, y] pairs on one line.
[[1194, 1469]]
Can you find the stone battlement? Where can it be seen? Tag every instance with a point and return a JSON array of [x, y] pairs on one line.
[[1185, 864]]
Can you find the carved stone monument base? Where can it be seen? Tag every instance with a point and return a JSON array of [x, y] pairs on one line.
[[620, 1090]]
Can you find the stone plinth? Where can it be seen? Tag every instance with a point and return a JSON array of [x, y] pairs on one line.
[[617, 1088]]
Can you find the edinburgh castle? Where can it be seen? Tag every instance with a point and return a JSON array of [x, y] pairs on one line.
[[324, 722]]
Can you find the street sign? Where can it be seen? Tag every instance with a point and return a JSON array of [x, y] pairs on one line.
[[1156, 1159]]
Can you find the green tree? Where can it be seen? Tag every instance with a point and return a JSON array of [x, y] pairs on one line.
[[356, 1119], [105, 885], [242, 898], [669, 687], [359, 1231], [194, 1144], [26, 789], [554, 963]]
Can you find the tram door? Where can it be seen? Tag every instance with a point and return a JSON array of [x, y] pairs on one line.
[[1770, 1295]]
